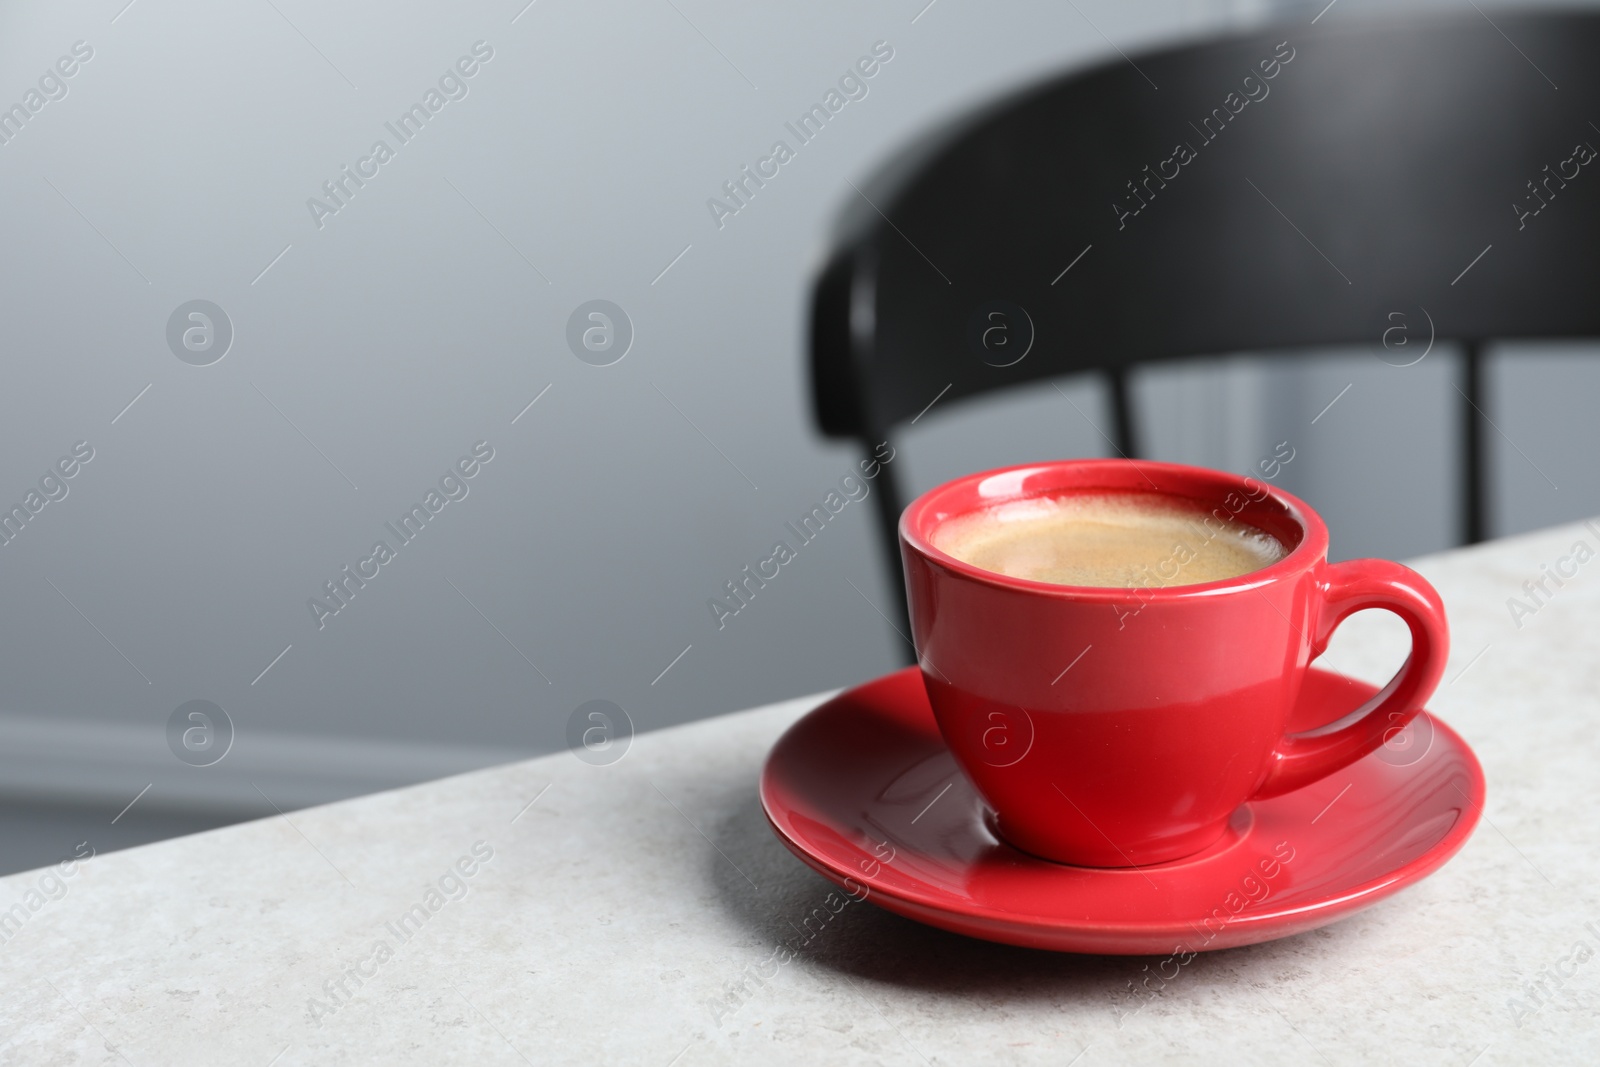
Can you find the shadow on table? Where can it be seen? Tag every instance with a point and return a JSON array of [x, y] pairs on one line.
[[767, 889]]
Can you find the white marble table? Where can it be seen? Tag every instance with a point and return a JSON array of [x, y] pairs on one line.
[[625, 916]]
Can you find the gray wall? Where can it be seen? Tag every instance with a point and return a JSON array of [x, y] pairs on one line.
[[429, 310]]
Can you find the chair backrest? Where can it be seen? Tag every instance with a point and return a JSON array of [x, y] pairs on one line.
[[1276, 189], [1286, 188]]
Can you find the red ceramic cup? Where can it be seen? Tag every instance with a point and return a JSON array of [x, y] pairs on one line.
[[1113, 727]]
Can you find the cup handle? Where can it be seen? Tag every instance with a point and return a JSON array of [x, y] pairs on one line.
[[1346, 589]]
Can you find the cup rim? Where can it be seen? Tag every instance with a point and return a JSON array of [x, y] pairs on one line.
[[921, 517]]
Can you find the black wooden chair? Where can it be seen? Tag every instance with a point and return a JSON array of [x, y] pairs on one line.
[[1282, 189]]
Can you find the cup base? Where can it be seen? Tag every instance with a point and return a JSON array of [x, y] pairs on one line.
[[1205, 841]]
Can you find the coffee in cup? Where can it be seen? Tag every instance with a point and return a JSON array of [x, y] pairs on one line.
[[1135, 539]]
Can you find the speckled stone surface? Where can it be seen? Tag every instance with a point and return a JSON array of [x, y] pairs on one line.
[[628, 915]]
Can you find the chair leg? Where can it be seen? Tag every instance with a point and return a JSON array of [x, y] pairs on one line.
[[1123, 435], [890, 503], [1474, 518]]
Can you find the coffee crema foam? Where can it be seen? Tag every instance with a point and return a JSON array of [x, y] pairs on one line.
[[1118, 540]]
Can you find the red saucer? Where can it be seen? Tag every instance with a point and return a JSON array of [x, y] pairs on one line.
[[864, 791]]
